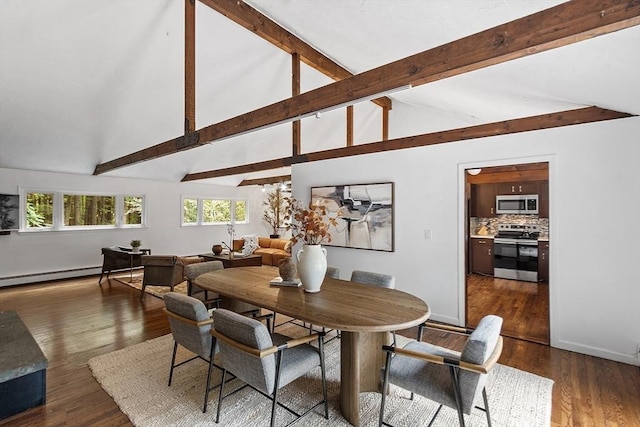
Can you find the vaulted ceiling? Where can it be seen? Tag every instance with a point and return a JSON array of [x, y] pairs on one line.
[[85, 83]]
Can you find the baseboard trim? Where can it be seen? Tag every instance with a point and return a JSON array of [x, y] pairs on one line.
[[24, 279]]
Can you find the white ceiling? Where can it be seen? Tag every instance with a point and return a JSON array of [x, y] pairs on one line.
[[86, 82]]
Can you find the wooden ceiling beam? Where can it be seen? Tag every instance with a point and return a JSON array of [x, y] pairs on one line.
[[265, 181], [254, 21], [561, 25], [544, 121]]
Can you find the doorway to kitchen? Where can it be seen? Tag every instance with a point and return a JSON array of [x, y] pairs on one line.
[[507, 256]]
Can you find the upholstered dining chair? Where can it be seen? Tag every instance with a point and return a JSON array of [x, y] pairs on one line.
[[192, 271], [266, 362], [190, 325], [445, 376], [375, 279]]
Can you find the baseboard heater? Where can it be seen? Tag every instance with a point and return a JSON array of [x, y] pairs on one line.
[[23, 279]]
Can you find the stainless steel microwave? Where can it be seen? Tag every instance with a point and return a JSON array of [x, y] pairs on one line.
[[517, 204]]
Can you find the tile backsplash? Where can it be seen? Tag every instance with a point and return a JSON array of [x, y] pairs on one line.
[[492, 223]]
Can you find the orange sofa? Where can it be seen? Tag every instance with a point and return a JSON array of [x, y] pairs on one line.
[[271, 250]]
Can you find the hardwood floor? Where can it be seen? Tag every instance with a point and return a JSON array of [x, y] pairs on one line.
[[524, 306], [75, 320]]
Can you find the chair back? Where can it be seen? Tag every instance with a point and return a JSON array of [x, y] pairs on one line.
[[332, 272], [374, 279], [478, 348], [258, 372], [162, 270], [192, 271], [194, 332]]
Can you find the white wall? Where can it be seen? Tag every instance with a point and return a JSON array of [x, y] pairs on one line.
[[594, 233], [35, 253]]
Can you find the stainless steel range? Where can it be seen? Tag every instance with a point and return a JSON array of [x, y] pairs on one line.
[[515, 252]]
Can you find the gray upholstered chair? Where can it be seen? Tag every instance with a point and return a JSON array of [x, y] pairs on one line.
[[375, 279], [332, 272], [190, 326], [445, 376], [265, 362], [192, 271]]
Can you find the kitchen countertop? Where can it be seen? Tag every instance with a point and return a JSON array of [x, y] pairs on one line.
[[478, 236]]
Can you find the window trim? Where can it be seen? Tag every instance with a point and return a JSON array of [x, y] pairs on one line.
[[58, 210]]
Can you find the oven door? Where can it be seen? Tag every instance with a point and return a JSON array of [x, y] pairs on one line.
[[505, 258], [528, 261]]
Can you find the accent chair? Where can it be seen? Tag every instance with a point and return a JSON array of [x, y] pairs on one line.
[[445, 376], [265, 362]]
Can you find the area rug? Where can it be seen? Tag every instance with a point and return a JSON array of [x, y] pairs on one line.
[[157, 291], [136, 378]]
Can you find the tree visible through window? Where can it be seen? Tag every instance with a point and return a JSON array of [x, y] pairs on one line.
[[43, 210], [89, 210], [213, 211], [132, 210], [39, 210], [190, 211]]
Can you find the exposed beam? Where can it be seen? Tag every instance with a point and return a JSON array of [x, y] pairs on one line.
[[189, 66], [544, 121], [561, 25], [296, 128], [253, 20], [349, 125], [264, 181]]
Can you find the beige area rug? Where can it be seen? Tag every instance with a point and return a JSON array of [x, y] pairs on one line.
[[136, 378], [157, 291]]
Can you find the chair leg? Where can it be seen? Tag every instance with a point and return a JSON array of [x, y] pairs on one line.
[[224, 374], [486, 405], [324, 377], [420, 331], [276, 387], [385, 386], [206, 390], [456, 392], [142, 292], [173, 361]]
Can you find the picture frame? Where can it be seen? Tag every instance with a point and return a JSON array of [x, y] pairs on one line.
[[366, 214], [9, 212]]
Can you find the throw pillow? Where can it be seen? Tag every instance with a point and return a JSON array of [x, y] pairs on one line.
[[250, 244]]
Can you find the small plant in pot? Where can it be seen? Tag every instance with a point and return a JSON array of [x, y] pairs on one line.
[[135, 245], [274, 210]]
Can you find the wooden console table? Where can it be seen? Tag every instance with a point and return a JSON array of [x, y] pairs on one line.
[[23, 367]]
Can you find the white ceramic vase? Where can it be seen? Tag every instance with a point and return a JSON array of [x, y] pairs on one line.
[[312, 266]]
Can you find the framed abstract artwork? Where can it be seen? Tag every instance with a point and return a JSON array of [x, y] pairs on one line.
[[365, 219]]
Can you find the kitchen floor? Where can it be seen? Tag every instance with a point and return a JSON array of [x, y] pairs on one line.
[[524, 306]]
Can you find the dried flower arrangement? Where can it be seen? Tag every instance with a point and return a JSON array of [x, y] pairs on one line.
[[309, 224]]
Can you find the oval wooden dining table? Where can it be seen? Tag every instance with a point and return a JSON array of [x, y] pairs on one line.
[[364, 314]]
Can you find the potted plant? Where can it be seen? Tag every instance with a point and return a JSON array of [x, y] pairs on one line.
[[310, 225], [274, 210], [135, 245]]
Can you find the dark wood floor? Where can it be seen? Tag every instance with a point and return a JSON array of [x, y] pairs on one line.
[[75, 320], [523, 306]]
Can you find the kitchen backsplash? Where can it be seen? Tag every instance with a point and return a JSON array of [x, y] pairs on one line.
[[492, 223]]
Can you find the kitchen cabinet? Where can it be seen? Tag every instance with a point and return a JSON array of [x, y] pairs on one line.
[[483, 200], [507, 188], [543, 199], [482, 255], [543, 261]]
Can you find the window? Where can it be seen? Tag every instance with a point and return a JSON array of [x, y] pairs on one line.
[[213, 211], [82, 210], [53, 210]]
